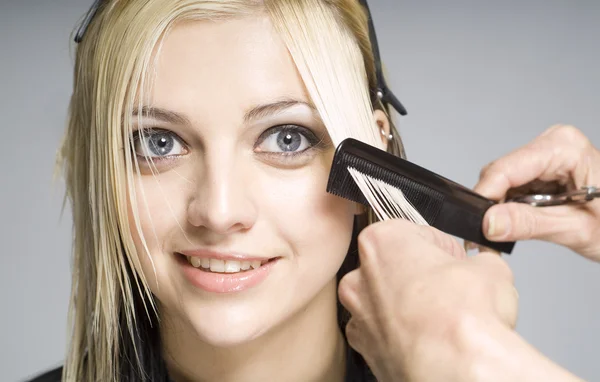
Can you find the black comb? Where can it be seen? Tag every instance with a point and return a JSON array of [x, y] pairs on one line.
[[444, 204]]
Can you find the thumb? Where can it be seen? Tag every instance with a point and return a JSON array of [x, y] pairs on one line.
[[518, 221]]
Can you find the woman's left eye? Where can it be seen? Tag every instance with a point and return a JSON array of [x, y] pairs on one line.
[[157, 143], [289, 139]]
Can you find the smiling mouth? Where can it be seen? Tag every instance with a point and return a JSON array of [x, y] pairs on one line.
[[224, 266]]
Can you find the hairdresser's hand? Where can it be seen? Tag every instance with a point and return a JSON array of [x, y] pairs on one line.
[[420, 309], [562, 156], [423, 311]]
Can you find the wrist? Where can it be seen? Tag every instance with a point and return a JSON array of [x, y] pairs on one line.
[[500, 354]]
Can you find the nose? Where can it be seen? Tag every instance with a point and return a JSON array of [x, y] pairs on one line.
[[222, 201]]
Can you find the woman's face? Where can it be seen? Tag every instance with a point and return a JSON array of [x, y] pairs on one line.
[[241, 161]]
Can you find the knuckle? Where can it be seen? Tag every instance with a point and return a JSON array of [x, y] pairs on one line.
[[439, 238], [551, 129], [347, 298], [585, 233], [455, 328], [460, 326], [353, 333], [348, 285], [495, 181], [507, 303], [485, 169], [367, 243], [524, 221], [499, 266], [571, 135], [378, 234], [429, 233], [493, 170], [451, 245], [370, 235]]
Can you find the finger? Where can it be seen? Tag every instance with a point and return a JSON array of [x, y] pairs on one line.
[[355, 335], [555, 155], [564, 225], [507, 304], [396, 252], [515, 169], [378, 240], [393, 253], [349, 291], [381, 244], [492, 265], [443, 241]]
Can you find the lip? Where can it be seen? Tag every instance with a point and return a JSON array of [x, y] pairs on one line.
[[235, 256], [226, 282]]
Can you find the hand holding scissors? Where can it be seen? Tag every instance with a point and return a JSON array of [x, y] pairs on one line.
[[560, 169], [583, 195]]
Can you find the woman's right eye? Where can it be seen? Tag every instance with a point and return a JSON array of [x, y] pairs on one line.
[[158, 144]]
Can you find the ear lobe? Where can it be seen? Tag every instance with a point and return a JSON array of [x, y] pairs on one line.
[[383, 124], [359, 209]]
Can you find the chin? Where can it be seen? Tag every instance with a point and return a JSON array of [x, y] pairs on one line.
[[229, 337], [227, 324]]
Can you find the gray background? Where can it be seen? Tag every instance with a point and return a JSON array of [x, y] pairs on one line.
[[479, 78]]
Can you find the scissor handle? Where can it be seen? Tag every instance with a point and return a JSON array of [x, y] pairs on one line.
[[583, 195]]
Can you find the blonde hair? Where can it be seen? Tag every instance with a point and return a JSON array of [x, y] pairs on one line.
[[328, 41]]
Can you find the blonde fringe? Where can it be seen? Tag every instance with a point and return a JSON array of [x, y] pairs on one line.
[[317, 55]]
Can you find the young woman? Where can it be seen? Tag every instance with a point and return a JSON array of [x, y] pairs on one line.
[[206, 248], [199, 145]]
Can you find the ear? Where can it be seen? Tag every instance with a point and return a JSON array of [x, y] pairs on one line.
[[383, 125], [383, 129]]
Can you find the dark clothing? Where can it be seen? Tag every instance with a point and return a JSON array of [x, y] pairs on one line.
[[51, 376], [355, 371]]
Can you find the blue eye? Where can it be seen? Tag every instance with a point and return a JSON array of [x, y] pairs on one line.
[[157, 143], [286, 140]]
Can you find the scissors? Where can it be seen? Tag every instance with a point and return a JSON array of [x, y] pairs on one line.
[[583, 195]]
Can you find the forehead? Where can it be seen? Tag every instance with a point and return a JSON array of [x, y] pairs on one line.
[[226, 64]]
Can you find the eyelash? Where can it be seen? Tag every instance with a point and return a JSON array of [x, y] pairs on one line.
[[314, 141], [141, 134]]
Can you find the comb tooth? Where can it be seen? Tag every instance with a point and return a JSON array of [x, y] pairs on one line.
[[425, 200], [341, 182]]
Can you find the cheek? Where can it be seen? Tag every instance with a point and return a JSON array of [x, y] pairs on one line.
[[157, 216], [315, 224]]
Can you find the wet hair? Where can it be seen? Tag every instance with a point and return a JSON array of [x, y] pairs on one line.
[[113, 316]]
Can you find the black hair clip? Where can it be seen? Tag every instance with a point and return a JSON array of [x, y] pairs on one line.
[[87, 20], [383, 91]]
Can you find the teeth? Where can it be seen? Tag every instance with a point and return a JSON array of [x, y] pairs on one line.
[[232, 266], [195, 262], [205, 263], [222, 266], [217, 265]]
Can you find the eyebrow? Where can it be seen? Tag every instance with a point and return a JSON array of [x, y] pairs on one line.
[[162, 115], [256, 113], [262, 111]]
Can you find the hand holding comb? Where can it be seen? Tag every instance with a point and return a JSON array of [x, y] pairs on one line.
[[444, 204]]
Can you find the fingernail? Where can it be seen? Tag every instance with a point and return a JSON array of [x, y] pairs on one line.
[[498, 225]]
